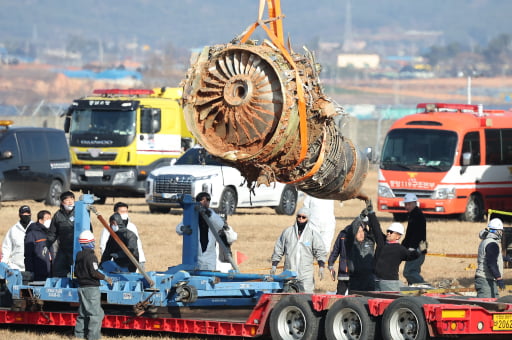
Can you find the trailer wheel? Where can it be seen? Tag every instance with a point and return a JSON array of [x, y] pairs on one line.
[[505, 299], [404, 319], [348, 319], [293, 318]]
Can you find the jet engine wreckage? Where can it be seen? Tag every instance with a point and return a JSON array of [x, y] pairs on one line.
[[261, 109]]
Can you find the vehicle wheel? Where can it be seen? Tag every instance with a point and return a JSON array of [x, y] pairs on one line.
[[474, 209], [404, 319], [348, 319], [100, 200], [228, 201], [400, 217], [505, 299], [293, 318], [288, 202], [53, 197], [158, 210]]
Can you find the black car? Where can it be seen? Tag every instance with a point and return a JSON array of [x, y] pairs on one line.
[[34, 164]]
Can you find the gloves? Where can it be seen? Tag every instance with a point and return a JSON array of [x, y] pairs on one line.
[[500, 284], [321, 273], [273, 270], [422, 247], [369, 207]]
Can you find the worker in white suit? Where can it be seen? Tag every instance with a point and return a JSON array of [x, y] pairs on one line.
[[301, 245], [208, 250], [322, 217]]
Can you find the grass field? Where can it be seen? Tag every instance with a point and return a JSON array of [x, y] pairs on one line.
[[257, 231]]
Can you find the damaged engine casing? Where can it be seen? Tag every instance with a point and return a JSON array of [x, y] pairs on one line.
[[241, 102]]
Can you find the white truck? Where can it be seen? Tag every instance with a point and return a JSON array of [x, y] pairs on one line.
[[197, 171]]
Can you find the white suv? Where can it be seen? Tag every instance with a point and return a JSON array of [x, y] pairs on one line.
[[196, 171]]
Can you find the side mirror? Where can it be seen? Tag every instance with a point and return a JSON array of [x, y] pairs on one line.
[[466, 158], [369, 153]]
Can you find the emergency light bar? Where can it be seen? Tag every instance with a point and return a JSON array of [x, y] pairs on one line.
[[127, 92]]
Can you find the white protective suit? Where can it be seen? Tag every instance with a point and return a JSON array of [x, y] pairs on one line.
[[209, 259], [322, 218], [13, 247], [132, 227], [300, 253]]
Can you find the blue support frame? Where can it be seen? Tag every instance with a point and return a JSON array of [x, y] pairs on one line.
[[212, 289]]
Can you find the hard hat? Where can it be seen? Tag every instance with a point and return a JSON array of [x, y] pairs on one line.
[[86, 237], [410, 198], [397, 228], [496, 224]]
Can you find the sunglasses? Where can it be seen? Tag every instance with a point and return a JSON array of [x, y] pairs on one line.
[[302, 216], [389, 232]]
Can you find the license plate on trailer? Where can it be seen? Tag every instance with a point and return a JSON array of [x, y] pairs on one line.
[[502, 322], [94, 173]]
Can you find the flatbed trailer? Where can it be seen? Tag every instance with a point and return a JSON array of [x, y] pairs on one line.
[[300, 316], [184, 299]]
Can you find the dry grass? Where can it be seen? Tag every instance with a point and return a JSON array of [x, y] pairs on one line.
[[257, 231]]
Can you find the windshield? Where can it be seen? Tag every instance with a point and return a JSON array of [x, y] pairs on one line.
[[197, 156], [102, 128], [418, 150]]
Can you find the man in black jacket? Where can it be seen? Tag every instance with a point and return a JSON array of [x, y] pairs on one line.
[[114, 251], [90, 313], [416, 233], [62, 230], [37, 255]]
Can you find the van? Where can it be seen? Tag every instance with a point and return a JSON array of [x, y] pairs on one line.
[[34, 163]]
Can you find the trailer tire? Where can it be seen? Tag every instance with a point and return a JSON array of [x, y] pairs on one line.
[[505, 299], [404, 319], [293, 318], [348, 319]]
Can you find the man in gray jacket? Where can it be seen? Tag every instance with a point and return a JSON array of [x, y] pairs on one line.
[[489, 271], [301, 244]]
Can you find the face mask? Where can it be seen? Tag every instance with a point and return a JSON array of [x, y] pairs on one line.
[[69, 207], [47, 223], [25, 219], [114, 227], [124, 216]]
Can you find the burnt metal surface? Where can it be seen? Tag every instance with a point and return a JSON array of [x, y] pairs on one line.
[[241, 103]]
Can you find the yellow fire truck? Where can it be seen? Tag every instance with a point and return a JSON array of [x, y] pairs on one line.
[[117, 137]]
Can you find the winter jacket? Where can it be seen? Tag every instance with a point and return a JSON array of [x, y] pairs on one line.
[[105, 235], [121, 259], [13, 247], [416, 229], [86, 269], [37, 255]]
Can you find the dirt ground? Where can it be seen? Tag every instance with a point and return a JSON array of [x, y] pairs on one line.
[[257, 231]]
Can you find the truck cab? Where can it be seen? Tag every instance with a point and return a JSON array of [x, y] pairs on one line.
[[117, 137]]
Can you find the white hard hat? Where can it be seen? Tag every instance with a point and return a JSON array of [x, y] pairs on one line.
[[85, 237], [496, 224], [410, 198], [397, 228]]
